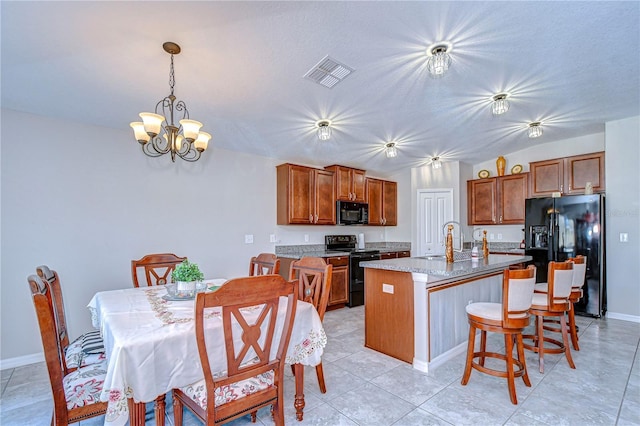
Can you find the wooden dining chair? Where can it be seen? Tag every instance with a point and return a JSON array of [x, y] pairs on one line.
[[264, 264], [552, 304], [313, 276], [88, 348], [508, 318], [579, 274], [254, 377], [157, 268], [76, 395]]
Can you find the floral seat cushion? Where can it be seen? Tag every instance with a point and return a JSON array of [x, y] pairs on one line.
[[198, 392], [75, 357], [83, 386]]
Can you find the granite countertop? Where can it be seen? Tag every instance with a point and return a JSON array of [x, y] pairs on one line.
[[319, 253], [508, 251], [438, 269]]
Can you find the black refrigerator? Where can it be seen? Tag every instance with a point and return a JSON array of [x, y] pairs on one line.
[[563, 227]]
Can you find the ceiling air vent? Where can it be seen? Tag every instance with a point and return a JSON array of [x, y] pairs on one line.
[[328, 72]]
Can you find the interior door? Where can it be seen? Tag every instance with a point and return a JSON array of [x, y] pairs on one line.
[[435, 208]]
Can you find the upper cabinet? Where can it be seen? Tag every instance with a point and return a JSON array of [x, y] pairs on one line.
[[497, 201], [567, 175], [349, 183], [382, 196], [305, 196]]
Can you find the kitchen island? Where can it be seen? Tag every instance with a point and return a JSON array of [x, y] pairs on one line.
[[415, 307]]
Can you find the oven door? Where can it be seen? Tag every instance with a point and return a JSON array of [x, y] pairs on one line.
[[356, 277]]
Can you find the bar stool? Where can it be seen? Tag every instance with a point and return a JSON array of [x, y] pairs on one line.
[[579, 273], [553, 303], [509, 318]]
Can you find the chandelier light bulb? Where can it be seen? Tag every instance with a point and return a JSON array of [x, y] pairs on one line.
[[500, 104], [439, 61], [535, 129], [436, 163], [390, 150], [324, 130]]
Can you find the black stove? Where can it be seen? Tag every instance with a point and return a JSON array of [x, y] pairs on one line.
[[349, 244]]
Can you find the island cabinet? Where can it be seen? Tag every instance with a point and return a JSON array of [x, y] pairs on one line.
[[497, 201], [394, 254], [339, 293], [349, 183], [567, 175], [305, 196], [382, 196]]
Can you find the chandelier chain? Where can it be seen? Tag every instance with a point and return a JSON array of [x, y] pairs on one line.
[[172, 76]]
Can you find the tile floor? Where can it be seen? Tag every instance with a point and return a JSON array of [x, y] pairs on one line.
[[368, 388]]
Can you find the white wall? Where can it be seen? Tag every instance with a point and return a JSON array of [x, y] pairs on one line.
[[87, 206], [623, 215], [538, 152]]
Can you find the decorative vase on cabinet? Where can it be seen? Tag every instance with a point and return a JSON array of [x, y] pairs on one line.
[[501, 164]]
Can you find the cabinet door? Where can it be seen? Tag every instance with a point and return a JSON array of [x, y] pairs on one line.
[[339, 292], [581, 169], [547, 177], [512, 191], [404, 253], [324, 198], [374, 197], [389, 203], [295, 194], [358, 187], [481, 199], [343, 183]]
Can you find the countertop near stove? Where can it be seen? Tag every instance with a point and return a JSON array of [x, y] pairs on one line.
[[317, 250]]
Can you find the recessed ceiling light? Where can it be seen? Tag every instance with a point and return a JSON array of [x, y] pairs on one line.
[[500, 104], [436, 163], [535, 129]]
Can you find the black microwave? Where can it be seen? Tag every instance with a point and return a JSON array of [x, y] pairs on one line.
[[350, 213]]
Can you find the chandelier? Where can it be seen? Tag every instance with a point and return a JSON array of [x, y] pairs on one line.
[[439, 60], [157, 133], [500, 104], [324, 129], [535, 129], [436, 163], [390, 150]]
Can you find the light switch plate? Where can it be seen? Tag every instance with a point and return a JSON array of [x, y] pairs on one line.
[[248, 239], [387, 288], [272, 238], [624, 237]]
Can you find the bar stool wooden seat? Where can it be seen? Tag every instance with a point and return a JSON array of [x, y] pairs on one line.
[[579, 273], [554, 303], [508, 318]]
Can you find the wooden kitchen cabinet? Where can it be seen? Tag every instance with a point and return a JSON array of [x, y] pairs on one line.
[[382, 196], [305, 196], [349, 183], [497, 201], [395, 254], [567, 175], [339, 293]]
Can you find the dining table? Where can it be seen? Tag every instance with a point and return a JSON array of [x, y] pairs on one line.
[[151, 348]]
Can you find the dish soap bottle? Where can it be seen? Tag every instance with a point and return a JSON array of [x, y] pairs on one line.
[[449, 245]]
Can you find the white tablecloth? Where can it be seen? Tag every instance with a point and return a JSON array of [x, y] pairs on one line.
[[151, 346]]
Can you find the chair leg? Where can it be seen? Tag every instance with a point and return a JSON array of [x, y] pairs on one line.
[[540, 341], [177, 411], [565, 340], [320, 374], [572, 328], [521, 358], [470, 348], [508, 345], [293, 370], [159, 409], [483, 346], [254, 416]]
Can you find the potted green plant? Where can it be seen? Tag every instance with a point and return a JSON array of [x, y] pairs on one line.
[[186, 275]]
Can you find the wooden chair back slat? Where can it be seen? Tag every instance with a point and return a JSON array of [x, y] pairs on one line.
[[314, 281], [264, 264], [157, 268]]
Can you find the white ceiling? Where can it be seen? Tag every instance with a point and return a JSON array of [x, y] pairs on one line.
[[572, 65]]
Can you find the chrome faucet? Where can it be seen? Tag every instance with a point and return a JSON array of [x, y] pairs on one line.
[[444, 233]]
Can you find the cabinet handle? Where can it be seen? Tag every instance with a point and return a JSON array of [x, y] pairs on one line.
[[500, 218], [561, 185], [311, 218], [316, 219], [569, 188]]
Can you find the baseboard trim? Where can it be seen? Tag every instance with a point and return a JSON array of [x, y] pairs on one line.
[[21, 361], [623, 317]]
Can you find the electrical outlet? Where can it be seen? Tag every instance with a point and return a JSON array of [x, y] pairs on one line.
[[387, 288], [624, 237], [272, 238], [306, 238], [499, 236], [248, 239], [491, 236]]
